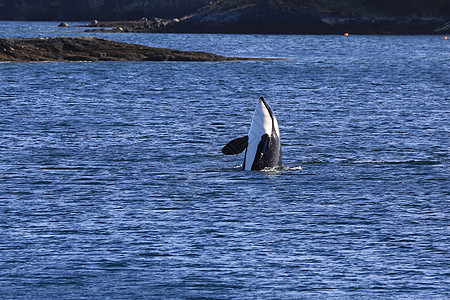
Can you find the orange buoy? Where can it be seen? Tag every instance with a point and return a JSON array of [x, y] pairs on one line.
[[445, 37], [346, 34]]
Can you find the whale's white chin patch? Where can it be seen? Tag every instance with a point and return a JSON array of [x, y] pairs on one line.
[[261, 122]]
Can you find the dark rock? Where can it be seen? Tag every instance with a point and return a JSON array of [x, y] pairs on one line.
[[305, 17], [95, 49], [63, 24], [246, 16], [317, 17], [38, 10]]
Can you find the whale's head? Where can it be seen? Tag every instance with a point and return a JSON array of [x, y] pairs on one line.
[[264, 145]]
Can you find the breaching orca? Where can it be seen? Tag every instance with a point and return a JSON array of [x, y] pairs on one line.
[[262, 145]]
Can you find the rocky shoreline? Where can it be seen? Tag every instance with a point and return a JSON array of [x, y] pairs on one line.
[[326, 25], [292, 17], [95, 49], [243, 16]]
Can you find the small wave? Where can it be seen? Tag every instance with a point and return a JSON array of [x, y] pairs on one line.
[[398, 162], [268, 170], [296, 168], [281, 169], [376, 162]]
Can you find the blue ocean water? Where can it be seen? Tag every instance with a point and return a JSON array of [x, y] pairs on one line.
[[113, 184]]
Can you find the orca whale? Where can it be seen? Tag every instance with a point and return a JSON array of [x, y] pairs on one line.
[[262, 145]]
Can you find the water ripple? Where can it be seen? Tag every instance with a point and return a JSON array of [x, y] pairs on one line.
[[112, 183]]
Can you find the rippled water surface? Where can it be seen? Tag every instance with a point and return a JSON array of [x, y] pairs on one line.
[[113, 185]]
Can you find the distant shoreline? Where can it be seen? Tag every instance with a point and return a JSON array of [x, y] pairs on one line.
[[369, 17], [353, 26]]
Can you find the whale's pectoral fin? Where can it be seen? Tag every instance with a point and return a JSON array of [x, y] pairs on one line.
[[236, 146]]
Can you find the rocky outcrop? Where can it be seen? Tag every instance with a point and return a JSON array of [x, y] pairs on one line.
[[318, 17], [245, 16], [94, 49], [306, 17], [141, 26], [58, 10]]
